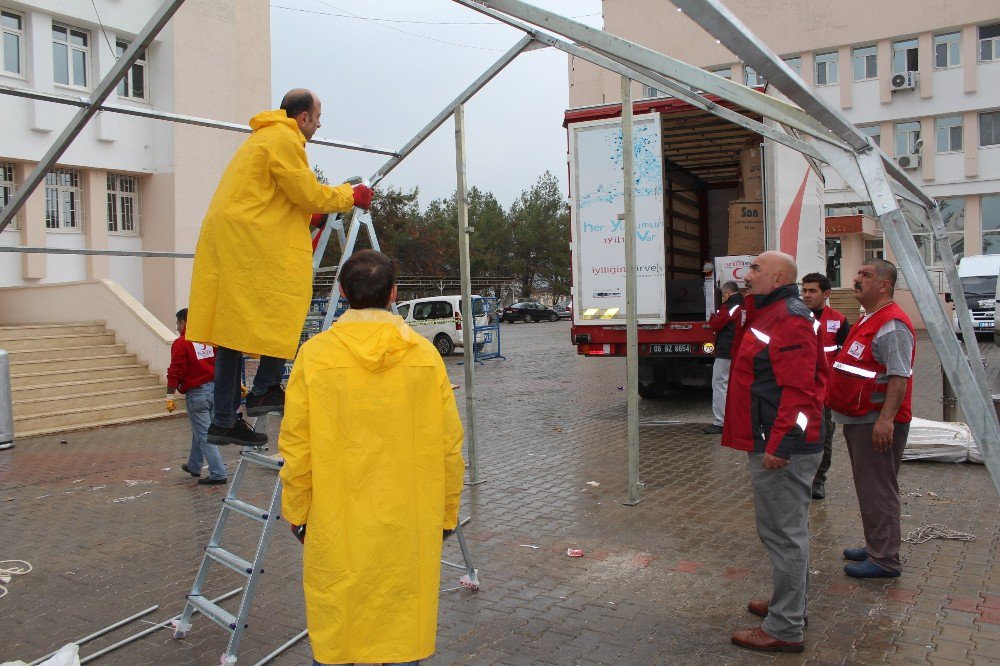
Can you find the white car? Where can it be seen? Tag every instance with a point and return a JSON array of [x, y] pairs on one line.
[[439, 319]]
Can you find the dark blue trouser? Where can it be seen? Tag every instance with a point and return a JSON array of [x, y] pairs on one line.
[[228, 371]]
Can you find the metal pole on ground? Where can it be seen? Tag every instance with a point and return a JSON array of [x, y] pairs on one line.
[[101, 632], [468, 321], [6, 404], [631, 323]]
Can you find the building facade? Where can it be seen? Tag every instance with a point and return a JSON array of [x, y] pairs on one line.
[[922, 79], [126, 183]]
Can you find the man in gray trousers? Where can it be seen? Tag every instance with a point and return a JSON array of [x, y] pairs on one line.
[[774, 412]]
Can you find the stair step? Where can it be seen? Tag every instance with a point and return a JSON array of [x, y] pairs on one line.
[[51, 353], [247, 509], [84, 417], [234, 562], [74, 363], [89, 385], [269, 462], [96, 424], [61, 341], [214, 612], [20, 331], [90, 399], [17, 380]]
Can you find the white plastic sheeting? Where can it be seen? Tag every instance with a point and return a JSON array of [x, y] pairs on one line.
[[941, 442]]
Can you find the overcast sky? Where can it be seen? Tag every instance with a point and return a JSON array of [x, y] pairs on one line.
[[384, 78]]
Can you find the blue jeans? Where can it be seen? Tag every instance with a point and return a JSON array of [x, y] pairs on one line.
[[228, 371], [404, 663], [199, 410]]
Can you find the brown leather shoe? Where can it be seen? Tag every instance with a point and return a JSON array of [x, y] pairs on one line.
[[759, 607], [759, 640]]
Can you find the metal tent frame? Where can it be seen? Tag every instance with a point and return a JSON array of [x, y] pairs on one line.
[[811, 126]]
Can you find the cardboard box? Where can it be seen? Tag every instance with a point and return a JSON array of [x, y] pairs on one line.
[[746, 227], [751, 183], [732, 269]]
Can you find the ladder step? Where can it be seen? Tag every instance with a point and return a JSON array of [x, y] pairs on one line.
[[234, 562], [247, 509], [262, 460], [217, 614]]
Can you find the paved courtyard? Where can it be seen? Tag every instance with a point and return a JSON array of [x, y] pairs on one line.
[[111, 526]]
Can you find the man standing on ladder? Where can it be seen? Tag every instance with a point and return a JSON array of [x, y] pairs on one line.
[[252, 279], [372, 448]]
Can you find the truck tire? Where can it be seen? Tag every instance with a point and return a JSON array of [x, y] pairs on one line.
[[443, 344], [648, 391]]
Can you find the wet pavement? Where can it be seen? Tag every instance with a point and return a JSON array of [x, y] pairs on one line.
[[112, 526]]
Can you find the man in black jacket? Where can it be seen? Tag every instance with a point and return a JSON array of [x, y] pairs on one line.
[[724, 324]]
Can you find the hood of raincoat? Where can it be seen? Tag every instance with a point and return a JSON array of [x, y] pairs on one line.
[[276, 117], [377, 338]]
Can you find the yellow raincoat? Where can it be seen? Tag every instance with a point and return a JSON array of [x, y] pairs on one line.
[[372, 444], [252, 278]]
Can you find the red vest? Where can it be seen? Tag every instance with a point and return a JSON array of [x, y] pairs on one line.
[[854, 371], [829, 325]]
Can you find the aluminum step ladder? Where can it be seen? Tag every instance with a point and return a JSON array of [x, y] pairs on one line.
[[237, 624]]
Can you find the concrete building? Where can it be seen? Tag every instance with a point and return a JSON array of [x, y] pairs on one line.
[[923, 79], [125, 183]]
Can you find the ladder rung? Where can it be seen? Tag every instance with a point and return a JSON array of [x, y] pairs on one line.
[[248, 510], [262, 460], [217, 614], [234, 562]]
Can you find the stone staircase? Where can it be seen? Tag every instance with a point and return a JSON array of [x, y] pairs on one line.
[[843, 301], [72, 376]]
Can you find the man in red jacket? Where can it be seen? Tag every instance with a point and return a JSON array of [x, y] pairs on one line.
[[774, 412], [833, 330], [870, 391], [192, 372]]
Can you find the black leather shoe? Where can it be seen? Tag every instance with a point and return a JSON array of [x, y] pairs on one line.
[[240, 434], [819, 491], [712, 429], [272, 401], [188, 470], [209, 481]]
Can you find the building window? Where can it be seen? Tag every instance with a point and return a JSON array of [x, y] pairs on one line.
[[907, 135], [991, 224], [649, 92], [989, 42], [7, 189], [953, 215], [989, 128], [63, 200], [795, 64], [133, 86], [753, 79], [949, 134], [947, 50], [873, 131], [874, 248], [123, 204], [70, 55], [865, 63], [904, 56], [12, 27], [851, 209], [724, 72], [826, 68]]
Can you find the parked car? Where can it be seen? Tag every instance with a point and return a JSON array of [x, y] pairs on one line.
[[528, 311], [439, 319], [564, 309]]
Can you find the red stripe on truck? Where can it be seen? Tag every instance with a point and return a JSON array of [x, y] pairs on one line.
[[789, 241]]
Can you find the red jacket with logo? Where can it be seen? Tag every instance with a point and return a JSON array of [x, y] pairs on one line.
[[855, 375], [192, 364], [724, 323], [778, 378], [833, 329]]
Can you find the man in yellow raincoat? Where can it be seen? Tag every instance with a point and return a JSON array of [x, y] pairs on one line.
[[252, 279], [372, 444]]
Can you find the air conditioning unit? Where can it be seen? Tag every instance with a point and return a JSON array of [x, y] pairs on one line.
[[907, 81], [908, 161]]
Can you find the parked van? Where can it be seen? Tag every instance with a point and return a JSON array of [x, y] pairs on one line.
[[978, 274], [439, 319]]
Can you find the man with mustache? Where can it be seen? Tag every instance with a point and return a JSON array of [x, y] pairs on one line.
[[870, 391]]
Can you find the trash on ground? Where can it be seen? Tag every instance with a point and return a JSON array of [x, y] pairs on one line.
[[528, 545], [593, 483], [928, 532], [574, 552], [131, 497]]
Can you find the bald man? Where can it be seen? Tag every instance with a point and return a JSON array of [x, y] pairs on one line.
[[774, 412]]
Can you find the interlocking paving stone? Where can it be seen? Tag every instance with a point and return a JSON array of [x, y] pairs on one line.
[[664, 581]]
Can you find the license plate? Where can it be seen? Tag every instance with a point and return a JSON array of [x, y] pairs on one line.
[[984, 324], [671, 349]]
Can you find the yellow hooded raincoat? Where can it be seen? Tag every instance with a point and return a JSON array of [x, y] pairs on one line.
[[372, 443], [252, 278]]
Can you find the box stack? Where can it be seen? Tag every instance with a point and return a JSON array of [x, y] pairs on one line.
[[746, 214]]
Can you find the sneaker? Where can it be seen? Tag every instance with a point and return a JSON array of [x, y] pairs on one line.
[[209, 481], [271, 401], [712, 429], [856, 554], [869, 569], [6, 445], [819, 491], [240, 434], [188, 470]]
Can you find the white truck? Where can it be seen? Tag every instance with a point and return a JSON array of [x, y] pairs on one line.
[[686, 177], [978, 274]]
